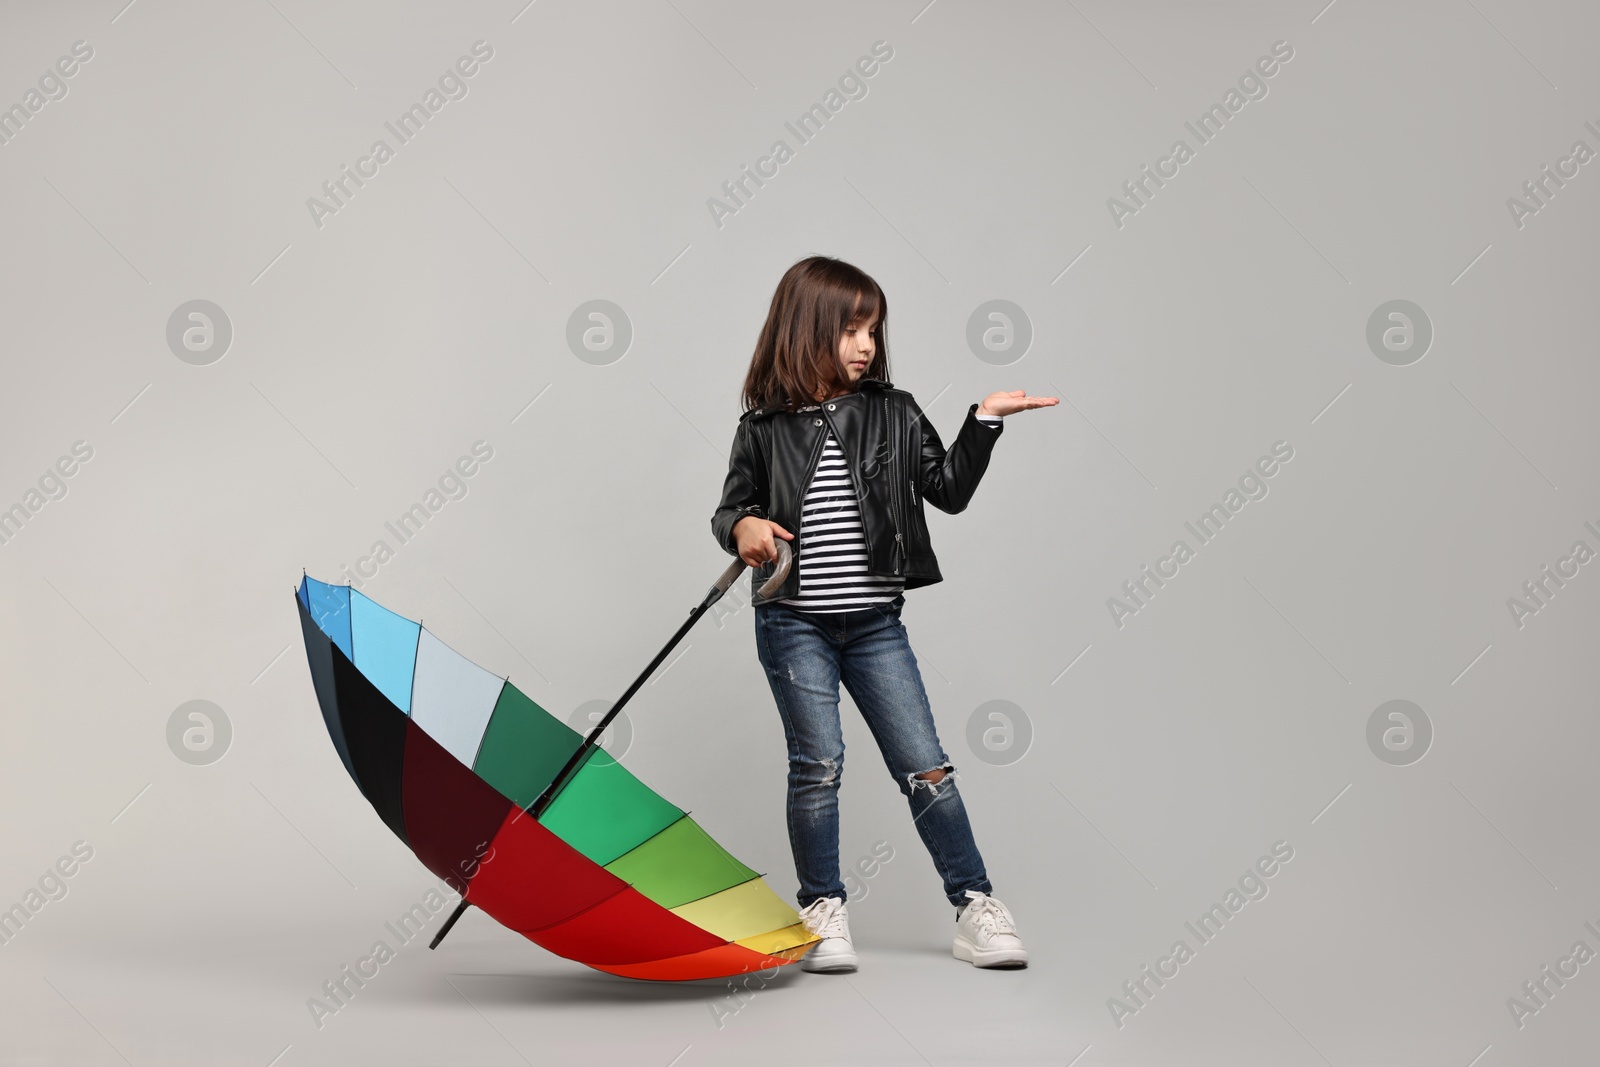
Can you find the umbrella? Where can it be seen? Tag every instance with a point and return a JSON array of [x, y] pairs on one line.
[[527, 819]]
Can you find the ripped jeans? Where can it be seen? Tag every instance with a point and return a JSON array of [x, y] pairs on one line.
[[806, 655]]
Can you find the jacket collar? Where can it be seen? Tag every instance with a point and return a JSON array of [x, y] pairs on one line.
[[865, 385]]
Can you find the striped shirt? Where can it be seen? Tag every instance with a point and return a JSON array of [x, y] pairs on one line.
[[833, 543]]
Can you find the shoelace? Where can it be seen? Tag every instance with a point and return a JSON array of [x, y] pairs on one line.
[[992, 915], [826, 918]]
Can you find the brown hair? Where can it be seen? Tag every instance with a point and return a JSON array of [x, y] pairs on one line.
[[796, 357]]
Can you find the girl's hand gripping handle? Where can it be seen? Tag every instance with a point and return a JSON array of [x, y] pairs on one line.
[[781, 552], [753, 536]]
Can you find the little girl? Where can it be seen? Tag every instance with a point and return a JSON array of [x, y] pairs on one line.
[[828, 448]]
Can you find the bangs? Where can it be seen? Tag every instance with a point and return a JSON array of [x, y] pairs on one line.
[[864, 306]]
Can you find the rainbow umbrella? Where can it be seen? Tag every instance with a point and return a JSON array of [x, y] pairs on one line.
[[527, 819]]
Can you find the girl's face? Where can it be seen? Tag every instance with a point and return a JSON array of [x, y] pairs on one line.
[[857, 347]]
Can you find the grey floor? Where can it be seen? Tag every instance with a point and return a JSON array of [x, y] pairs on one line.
[[1356, 319]]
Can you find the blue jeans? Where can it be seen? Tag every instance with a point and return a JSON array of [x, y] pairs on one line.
[[806, 655]]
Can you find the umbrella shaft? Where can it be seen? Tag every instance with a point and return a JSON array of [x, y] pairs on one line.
[[448, 923], [537, 808]]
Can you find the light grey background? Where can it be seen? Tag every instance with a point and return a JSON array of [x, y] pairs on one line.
[[432, 312]]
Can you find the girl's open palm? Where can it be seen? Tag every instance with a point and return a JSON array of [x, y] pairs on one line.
[[1013, 402]]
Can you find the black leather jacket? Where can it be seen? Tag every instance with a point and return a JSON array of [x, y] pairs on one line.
[[895, 459]]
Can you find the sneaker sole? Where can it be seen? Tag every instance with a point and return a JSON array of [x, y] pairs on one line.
[[835, 965], [999, 958]]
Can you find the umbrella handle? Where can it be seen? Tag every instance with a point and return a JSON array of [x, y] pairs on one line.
[[768, 588]]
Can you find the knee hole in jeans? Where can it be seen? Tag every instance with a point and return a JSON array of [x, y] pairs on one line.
[[931, 780]]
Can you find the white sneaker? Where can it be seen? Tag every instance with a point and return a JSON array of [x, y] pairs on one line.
[[986, 934], [833, 954]]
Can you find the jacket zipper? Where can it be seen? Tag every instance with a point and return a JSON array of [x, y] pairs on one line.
[[799, 511], [894, 494]]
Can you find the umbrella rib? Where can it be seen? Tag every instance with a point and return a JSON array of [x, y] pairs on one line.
[[581, 911], [707, 896], [652, 837], [349, 599], [754, 877], [484, 736], [411, 698]]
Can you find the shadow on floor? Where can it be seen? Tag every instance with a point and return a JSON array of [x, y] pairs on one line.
[[585, 986]]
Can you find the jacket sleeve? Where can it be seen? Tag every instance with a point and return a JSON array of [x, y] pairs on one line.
[[744, 491], [947, 479]]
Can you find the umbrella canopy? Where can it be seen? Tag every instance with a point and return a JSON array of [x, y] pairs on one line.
[[610, 874]]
